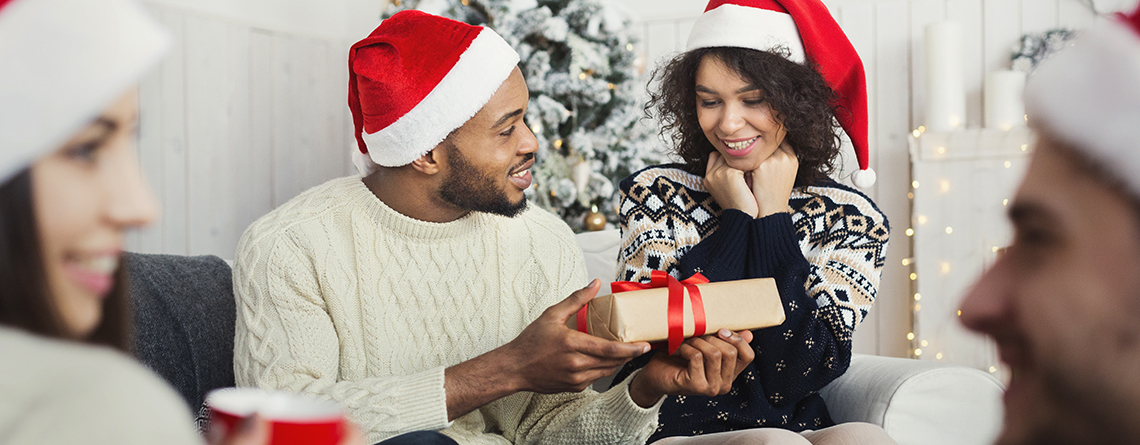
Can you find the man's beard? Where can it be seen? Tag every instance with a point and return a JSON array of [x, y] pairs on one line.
[[468, 188], [1076, 412]]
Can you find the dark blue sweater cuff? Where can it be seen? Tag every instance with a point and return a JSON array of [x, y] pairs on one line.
[[778, 245]]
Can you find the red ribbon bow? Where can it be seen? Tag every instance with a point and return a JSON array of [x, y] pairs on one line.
[[676, 303]]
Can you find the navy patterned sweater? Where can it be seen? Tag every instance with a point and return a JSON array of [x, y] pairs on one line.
[[826, 257]]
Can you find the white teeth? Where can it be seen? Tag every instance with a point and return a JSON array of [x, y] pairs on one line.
[[102, 264], [741, 145], [520, 174]]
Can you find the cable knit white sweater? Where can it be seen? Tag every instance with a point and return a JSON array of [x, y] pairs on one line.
[[343, 297]]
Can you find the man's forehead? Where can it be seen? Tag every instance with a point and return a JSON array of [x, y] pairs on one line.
[[507, 102], [1059, 188]]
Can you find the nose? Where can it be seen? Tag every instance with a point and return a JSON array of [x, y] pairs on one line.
[[130, 201], [731, 120], [529, 142], [987, 307]]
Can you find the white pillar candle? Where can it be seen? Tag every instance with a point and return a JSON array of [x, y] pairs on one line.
[[1004, 106], [945, 84]]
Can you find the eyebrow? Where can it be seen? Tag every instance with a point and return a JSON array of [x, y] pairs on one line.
[[105, 127], [507, 117], [704, 89]]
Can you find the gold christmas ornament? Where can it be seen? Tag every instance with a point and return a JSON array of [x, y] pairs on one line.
[[595, 221]]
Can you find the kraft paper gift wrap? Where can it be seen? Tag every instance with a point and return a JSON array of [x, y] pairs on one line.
[[642, 315]]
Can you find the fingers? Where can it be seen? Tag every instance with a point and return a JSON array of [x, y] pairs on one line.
[[740, 341], [710, 358], [249, 431], [570, 306], [695, 377], [606, 349], [714, 162], [352, 435], [745, 353], [722, 341]]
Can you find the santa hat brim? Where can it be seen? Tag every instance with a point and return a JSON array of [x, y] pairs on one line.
[[745, 27], [61, 63], [1088, 96], [478, 74]]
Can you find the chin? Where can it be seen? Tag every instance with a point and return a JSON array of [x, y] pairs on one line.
[[745, 164]]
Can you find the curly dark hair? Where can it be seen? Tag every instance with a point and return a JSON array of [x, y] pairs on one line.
[[797, 93]]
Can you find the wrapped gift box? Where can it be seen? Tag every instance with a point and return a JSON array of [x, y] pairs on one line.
[[642, 315]]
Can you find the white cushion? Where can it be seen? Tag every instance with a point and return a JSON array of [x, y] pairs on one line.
[[601, 252], [918, 402]]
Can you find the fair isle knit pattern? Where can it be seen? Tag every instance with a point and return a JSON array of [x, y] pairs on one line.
[[342, 297], [841, 233], [826, 257]]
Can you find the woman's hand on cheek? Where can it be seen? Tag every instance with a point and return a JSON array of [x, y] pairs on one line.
[[728, 187], [772, 182]]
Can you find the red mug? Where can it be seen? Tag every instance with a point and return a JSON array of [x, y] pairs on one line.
[[294, 419]]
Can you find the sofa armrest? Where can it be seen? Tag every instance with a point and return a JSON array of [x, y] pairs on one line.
[[918, 402]]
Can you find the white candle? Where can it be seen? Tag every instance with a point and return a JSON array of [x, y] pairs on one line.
[[1004, 107], [945, 86]]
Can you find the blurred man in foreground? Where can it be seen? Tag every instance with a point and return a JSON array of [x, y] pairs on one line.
[[1063, 304]]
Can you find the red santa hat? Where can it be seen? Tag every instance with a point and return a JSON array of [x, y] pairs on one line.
[[806, 29], [1088, 96], [61, 63], [416, 78]]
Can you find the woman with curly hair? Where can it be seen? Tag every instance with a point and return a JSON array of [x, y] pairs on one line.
[[754, 108]]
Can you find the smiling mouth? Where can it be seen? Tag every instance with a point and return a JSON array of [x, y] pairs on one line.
[[741, 144]]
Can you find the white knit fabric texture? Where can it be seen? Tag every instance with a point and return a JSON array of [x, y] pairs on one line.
[[1089, 96], [66, 392], [343, 297]]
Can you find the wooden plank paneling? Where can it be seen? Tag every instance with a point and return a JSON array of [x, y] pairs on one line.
[[1038, 15], [1074, 14], [287, 171], [969, 14], [256, 176], [210, 192], [1002, 22], [661, 41], [922, 13], [173, 122], [149, 239], [889, 159]]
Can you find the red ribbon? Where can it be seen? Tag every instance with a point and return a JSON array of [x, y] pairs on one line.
[[676, 303]]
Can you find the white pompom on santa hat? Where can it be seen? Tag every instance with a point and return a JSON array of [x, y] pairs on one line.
[[417, 78], [806, 29], [1088, 96], [62, 62]]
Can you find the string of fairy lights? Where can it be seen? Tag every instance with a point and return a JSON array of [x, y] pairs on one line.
[[925, 344]]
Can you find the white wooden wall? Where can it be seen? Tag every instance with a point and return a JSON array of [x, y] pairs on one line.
[[240, 118], [234, 122]]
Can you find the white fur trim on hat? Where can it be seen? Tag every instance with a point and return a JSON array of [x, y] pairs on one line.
[[747, 27], [1089, 96], [462, 93], [61, 63]]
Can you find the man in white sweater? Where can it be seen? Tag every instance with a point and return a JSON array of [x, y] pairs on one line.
[[427, 296]]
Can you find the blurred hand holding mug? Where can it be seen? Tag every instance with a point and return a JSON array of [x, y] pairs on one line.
[[292, 419]]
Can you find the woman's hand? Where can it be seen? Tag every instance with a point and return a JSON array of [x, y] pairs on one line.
[[772, 182], [728, 187]]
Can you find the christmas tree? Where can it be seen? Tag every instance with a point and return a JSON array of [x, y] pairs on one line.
[[585, 98]]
